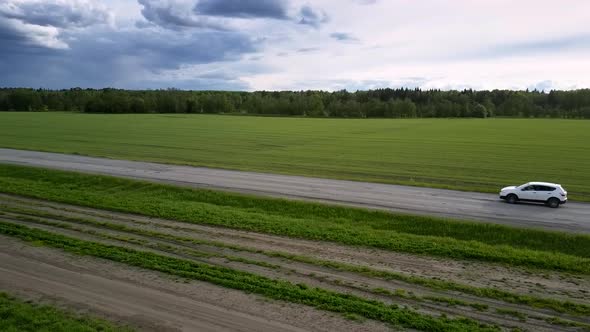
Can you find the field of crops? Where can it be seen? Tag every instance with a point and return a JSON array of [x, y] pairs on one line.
[[466, 154]]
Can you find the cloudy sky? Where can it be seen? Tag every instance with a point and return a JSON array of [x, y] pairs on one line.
[[295, 45]]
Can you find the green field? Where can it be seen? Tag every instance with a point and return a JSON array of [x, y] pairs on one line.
[[465, 154]]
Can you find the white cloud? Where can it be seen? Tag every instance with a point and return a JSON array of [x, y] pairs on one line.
[[56, 13], [42, 22], [24, 34], [455, 44]]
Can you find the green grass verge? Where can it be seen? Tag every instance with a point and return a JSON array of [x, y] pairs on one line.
[[466, 154], [567, 323], [16, 315], [274, 289], [492, 293], [403, 233]]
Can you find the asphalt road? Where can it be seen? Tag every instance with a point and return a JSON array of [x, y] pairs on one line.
[[573, 216]]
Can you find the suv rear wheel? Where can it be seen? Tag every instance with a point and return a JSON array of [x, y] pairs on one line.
[[553, 202]]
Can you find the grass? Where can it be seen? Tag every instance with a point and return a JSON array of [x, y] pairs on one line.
[[455, 302], [492, 293], [16, 315], [350, 226], [466, 154], [274, 289], [567, 323]]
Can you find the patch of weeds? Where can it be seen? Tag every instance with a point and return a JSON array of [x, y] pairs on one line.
[[513, 313], [17, 315]]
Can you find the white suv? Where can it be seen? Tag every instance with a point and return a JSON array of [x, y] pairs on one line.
[[551, 194]]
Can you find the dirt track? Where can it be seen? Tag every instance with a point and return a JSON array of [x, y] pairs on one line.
[[112, 289], [147, 300]]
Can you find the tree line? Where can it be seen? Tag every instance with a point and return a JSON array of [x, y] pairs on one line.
[[378, 103]]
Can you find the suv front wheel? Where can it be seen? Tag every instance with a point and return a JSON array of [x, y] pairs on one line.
[[511, 199]]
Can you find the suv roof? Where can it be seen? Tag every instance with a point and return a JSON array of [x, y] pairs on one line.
[[544, 184]]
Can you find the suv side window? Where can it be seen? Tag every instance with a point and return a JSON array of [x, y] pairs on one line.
[[528, 188], [549, 188], [544, 188]]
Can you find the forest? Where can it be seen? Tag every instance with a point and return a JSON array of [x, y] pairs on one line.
[[378, 103]]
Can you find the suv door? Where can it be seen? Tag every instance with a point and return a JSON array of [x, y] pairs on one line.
[[545, 192], [528, 193]]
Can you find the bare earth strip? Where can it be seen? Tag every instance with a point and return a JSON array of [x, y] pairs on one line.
[[247, 251], [573, 217], [149, 300]]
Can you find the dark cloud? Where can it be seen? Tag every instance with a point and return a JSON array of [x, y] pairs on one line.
[[256, 58], [343, 36], [276, 9], [62, 14], [312, 17], [168, 50], [64, 43], [174, 15], [307, 50], [127, 59]]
